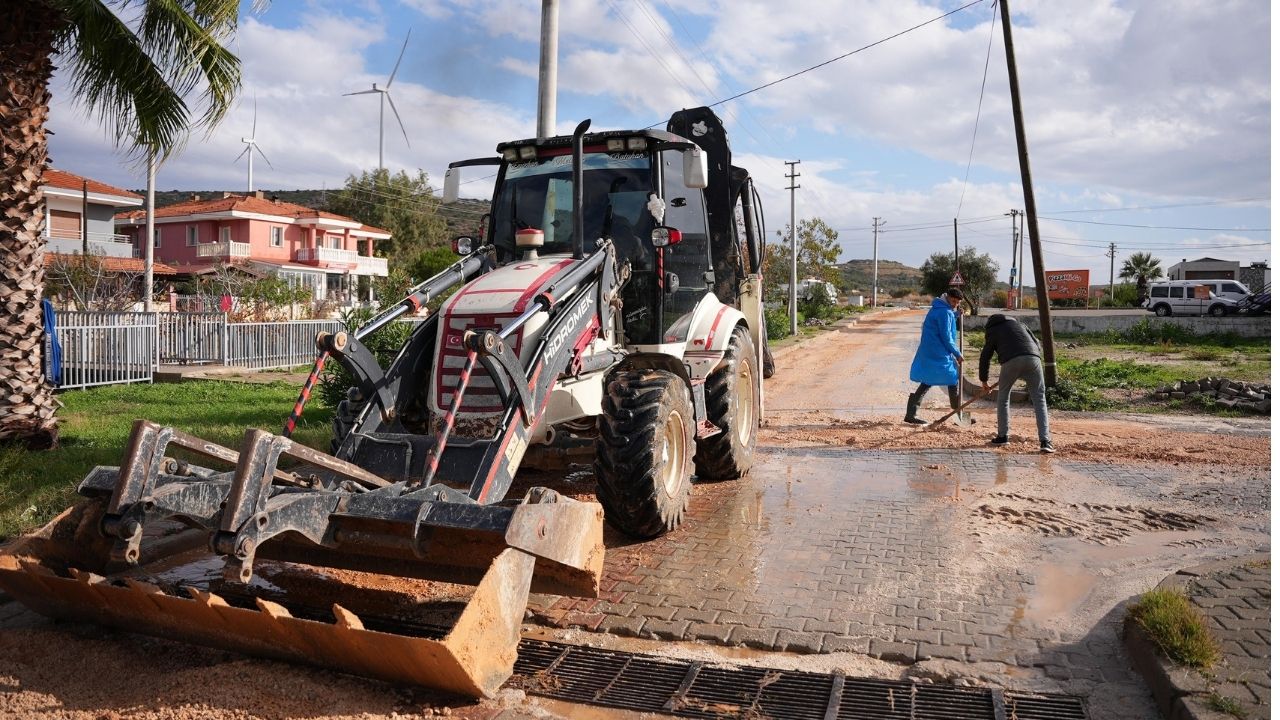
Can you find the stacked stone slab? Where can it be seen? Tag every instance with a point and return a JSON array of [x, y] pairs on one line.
[[1228, 394]]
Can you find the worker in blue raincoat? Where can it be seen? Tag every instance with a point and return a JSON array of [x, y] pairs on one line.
[[938, 358]]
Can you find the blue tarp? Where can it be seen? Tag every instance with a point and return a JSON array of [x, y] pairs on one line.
[[52, 348]]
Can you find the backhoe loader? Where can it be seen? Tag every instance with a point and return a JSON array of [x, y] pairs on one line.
[[613, 298]]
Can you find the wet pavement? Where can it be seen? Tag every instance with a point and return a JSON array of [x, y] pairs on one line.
[[995, 567]]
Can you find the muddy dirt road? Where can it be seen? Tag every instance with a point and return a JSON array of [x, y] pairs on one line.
[[850, 389]]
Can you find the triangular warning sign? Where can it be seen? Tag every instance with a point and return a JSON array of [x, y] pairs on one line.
[[957, 279]]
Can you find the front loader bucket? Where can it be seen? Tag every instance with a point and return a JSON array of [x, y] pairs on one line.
[[474, 658], [297, 566]]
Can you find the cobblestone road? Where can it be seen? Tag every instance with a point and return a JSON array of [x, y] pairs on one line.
[[893, 554]]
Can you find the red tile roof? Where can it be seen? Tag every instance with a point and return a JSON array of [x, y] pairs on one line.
[[116, 264], [71, 181], [244, 203]]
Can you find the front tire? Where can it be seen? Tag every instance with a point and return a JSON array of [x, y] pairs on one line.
[[644, 452], [1217, 310], [1163, 310], [732, 401]]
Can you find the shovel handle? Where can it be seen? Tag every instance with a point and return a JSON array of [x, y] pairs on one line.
[[981, 394]]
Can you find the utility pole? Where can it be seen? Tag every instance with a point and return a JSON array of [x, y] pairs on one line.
[[1029, 203], [1111, 253], [547, 68], [84, 218], [1022, 257], [148, 283], [876, 224], [1013, 269], [793, 187], [959, 316]]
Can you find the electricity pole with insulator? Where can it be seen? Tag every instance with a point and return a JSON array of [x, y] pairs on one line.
[[793, 187]]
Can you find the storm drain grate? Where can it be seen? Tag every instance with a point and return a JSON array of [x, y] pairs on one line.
[[698, 690]]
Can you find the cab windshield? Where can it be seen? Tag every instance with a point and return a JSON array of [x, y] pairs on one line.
[[539, 194]]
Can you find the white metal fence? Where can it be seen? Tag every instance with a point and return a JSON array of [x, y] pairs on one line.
[[192, 338], [264, 345], [101, 348]]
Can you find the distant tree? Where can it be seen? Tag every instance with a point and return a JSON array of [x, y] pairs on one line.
[[1141, 267], [403, 204], [816, 251], [83, 283], [430, 262], [979, 272]]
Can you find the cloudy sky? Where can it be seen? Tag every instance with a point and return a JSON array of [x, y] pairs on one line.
[[1148, 122]]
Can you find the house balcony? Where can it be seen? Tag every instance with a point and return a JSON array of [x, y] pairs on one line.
[[229, 249], [327, 257], [376, 266], [104, 244]]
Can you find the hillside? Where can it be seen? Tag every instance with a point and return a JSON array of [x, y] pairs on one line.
[[461, 217], [856, 275]]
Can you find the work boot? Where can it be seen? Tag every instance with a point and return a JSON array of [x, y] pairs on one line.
[[913, 404], [1000, 440]]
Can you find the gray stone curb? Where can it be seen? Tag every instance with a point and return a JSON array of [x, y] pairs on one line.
[[1179, 692]]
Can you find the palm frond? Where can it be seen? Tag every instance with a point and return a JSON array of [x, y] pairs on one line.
[[137, 82]]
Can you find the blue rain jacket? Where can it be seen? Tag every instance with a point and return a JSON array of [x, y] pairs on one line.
[[935, 362]]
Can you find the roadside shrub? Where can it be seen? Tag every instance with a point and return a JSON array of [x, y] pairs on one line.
[[819, 306], [385, 344], [1176, 628], [777, 323], [1069, 394]]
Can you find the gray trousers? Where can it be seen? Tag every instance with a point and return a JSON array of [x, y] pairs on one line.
[[1028, 368]]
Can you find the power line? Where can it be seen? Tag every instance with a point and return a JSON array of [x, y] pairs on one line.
[[1156, 207], [981, 92], [848, 54], [1159, 227]]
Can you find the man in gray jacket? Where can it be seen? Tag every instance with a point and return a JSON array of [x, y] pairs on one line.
[[1018, 353]]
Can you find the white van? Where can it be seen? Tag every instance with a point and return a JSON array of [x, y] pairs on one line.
[[1193, 297]]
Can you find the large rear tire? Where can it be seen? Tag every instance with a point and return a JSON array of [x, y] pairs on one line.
[[644, 452], [732, 392]]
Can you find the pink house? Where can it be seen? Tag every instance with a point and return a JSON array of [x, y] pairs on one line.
[[309, 247]]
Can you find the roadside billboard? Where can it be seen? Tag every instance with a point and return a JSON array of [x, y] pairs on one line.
[[1067, 284]]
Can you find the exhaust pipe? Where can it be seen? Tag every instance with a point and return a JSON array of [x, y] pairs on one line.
[[578, 240]]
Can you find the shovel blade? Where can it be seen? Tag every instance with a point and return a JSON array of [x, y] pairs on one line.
[[964, 419]]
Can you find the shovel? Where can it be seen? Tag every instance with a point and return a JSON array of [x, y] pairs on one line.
[[963, 419]]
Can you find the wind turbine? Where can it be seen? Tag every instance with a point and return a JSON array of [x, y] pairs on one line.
[[251, 145], [384, 94]]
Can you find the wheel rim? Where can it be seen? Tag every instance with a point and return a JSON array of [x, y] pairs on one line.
[[745, 390], [674, 453]]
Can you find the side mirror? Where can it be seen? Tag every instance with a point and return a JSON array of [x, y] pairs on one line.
[[451, 181], [463, 244], [695, 168], [664, 236]]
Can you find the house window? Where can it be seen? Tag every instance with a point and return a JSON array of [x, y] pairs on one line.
[[156, 240], [193, 235], [64, 224], [335, 242], [224, 234], [277, 237]]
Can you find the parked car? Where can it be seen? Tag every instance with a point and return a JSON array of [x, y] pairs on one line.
[[1189, 297], [1229, 289]]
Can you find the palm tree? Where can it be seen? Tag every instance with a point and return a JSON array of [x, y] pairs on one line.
[[1141, 267], [136, 74]]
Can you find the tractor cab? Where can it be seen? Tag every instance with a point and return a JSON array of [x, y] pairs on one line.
[[641, 189]]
